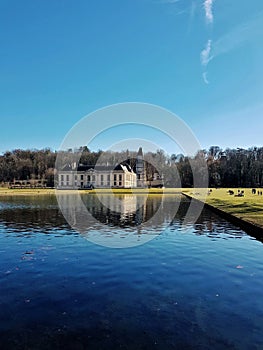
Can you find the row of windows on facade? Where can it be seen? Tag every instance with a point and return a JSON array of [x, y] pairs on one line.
[[92, 179]]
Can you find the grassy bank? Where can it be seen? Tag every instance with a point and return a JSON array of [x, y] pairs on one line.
[[135, 191], [41, 191], [25, 191], [248, 208]]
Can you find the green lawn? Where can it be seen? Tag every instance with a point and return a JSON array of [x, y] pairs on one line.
[[25, 191], [40, 191], [248, 208]]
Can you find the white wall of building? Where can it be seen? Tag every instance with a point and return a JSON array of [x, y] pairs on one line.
[[99, 179]]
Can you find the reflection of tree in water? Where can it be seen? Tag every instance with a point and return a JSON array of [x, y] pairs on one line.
[[36, 218], [208, 223], [32, 213], [215, 227], [41, 214], [36, 213]]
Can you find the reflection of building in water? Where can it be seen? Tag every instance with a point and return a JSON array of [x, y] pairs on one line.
[[117, 210], [121, 210], [123, 204], [99, 176]]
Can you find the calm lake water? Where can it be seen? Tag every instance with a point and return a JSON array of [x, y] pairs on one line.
[[199, 287]]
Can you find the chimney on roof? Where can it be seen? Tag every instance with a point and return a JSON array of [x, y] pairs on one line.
[[74, 165]]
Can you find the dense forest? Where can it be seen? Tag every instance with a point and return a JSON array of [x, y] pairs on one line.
[[226, 168]]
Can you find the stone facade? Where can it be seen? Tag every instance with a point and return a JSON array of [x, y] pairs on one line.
[[121, 176]]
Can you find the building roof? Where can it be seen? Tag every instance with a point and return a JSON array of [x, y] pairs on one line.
[[81, 167], [67, 167]]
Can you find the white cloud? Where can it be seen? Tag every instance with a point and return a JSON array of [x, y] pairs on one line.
[[192, 11], [208, 4], [205, 78], [246, 32], [205, 55]]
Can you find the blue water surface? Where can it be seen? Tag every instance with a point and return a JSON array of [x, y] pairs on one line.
[[200, 288]]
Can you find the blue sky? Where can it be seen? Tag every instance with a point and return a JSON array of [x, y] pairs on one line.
[[61, 60]]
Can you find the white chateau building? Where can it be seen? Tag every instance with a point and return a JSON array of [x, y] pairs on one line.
[[120, 176], [87, 176]]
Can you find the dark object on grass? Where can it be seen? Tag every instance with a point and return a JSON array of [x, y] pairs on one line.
[[88, 187], [240, 194]]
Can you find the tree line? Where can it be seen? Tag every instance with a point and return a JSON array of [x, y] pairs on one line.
[[226, 168]]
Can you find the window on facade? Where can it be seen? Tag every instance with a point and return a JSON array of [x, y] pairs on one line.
[[76, 177], [115, 180], [88, 178], [93, 178], [120, 179], [67, 177], [108, 180], [101, 180], [81, 177], [62, 177]]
